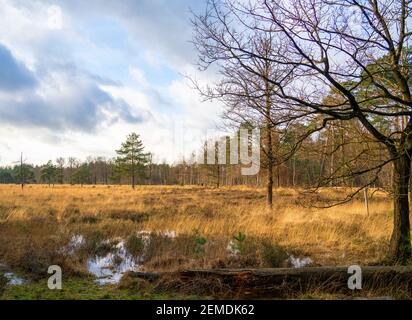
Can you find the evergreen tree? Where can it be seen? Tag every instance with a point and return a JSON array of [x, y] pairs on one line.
[[49, 173], [82, 174], [131, 158], [23, 173]]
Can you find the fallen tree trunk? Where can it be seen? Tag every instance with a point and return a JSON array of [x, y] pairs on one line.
[[284, 281]]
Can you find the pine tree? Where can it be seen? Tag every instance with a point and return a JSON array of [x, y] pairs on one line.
[[23, 173], [49, 173], [132, 159], [82, 174]]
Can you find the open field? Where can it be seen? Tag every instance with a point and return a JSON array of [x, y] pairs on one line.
[[174, 228]]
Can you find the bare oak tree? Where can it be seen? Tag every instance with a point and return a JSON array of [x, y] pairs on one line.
[[356, 49]]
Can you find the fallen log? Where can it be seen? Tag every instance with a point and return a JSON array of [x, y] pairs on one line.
[[286, 281]]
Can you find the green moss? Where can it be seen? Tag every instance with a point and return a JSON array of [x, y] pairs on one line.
[[79, 289]]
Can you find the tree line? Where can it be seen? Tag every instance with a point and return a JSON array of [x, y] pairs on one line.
[[133, 166]]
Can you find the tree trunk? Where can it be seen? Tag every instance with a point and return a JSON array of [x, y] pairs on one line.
[[294, 171], [278, 175], [282, 282], [218, 176], [270, 163], [400, 245], [269, 194], [133, 177]]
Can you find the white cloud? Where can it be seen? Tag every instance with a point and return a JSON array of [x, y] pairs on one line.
[[70, 97], [139, 77]]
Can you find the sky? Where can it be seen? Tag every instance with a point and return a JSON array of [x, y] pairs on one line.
[[77, 76]]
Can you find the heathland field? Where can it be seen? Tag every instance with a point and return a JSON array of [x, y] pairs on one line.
[[98, 233]]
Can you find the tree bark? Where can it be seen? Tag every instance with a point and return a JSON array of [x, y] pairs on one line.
[[269, 194], [133, 182], [283, 282], [268, 116], [400, 245]]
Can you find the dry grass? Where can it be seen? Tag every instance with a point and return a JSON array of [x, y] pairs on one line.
[[36, 222]]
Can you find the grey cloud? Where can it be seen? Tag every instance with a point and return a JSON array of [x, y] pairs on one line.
[[76, 103], [161, 25], [14, 75]]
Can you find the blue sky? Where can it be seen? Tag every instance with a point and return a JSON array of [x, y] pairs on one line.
[[77, 76]]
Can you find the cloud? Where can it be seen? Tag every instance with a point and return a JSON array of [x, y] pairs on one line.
[[65, 99], [14, 75], [159, 27], [113, 68]]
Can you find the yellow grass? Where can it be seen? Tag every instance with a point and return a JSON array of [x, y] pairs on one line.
[[340, 235]]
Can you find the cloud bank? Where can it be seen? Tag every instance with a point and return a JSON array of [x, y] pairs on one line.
[[113, 67]]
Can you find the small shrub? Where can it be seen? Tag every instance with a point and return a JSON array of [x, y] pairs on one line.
[[239, 242], [273, 256], [97, 245], [199, 243], [104, 248], [134, 245], [117, 260]]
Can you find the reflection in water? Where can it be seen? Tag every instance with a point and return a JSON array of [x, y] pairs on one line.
[[13, 279], [110, 268]]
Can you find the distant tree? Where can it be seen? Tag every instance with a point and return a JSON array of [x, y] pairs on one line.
[[82, 174], [60, 170], [23, 173], [49, 173], [6, 175], [73, 163], [101, 170], [131, 157]]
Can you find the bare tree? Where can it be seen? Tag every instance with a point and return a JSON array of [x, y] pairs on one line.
[[365, 62], [60, 169], [22, 175], [249, 99], [73, 165]]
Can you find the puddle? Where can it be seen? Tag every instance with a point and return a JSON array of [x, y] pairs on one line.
[[13, 279], [110, 268], [297, 262]]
